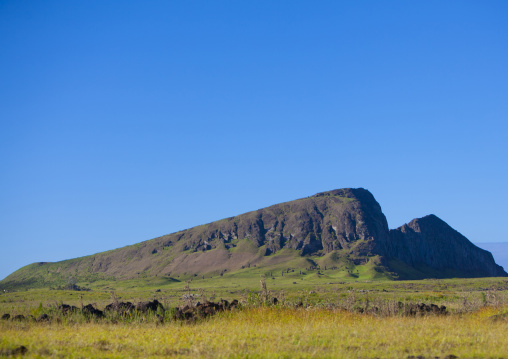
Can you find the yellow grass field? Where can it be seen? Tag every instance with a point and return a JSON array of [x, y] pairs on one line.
[[269, 333]]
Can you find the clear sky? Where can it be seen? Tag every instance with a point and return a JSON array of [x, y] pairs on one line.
[[125, 120]]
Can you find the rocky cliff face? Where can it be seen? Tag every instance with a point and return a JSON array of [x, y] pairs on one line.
[[429, 242], [328, 221]]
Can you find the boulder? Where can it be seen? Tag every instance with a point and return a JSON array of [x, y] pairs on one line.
[[149, 306]]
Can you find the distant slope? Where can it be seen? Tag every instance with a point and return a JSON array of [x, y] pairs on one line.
[[341, 229]]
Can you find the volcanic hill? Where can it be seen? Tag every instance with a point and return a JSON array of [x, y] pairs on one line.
[[343, 230]]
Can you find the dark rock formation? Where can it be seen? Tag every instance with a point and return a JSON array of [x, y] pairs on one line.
[[429, 242], [90, 311], [17, 351], [420, 309], [325, 222], [149, 306], [203, 310], [67, 309], [42, 318], [120, 307]]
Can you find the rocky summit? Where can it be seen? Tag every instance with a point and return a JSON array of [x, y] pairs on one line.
[[343, 229]]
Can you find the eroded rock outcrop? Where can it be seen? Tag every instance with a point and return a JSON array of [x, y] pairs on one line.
[[429, 243], [325, 222]]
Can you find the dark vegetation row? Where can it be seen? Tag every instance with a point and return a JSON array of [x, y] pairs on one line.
[[155, 311], [362, 301]]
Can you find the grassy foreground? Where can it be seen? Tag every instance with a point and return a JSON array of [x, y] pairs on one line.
[[329, 325], [270, 333]]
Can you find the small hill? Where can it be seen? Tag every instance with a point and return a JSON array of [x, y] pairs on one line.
[[433, 248], [343, 230]]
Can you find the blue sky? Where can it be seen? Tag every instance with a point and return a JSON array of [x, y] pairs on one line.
[[122, 121]]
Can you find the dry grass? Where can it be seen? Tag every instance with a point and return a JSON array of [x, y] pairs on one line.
[[330, 327], [271, 333]]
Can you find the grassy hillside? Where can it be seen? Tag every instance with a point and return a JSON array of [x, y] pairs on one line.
[[284, 267], [340, 235]]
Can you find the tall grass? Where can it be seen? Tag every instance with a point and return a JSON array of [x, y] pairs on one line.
[[270, 332], [314, 321]]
